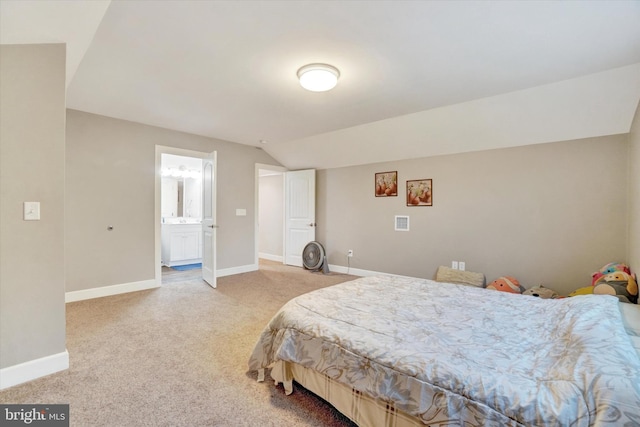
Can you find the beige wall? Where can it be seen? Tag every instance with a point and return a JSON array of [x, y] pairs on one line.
[[110, 182], [32, 139], [634, 194], [549, 214]]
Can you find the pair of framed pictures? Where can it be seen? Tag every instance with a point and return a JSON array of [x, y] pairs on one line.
[[419, 191]]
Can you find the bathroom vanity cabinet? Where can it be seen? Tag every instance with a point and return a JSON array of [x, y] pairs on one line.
[[181, 244]]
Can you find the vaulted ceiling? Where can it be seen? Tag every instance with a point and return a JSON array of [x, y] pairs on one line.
[[418, 78]]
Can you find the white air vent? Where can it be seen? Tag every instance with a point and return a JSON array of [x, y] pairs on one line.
[[402, 223]]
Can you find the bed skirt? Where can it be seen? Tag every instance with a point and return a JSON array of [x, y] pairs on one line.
[[359, 408]]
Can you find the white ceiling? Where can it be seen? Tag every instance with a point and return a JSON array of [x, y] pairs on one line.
[[227, 69], [62, 21]]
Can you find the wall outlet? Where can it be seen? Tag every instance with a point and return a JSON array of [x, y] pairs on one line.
[[461, 265], [350, 253], [454, 265]]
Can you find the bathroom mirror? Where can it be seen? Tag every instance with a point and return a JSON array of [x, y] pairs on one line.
[[181, 187]]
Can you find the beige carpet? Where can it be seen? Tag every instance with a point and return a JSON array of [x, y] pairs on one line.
[[177, 355]]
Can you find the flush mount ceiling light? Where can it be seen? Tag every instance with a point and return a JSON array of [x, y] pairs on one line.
[[318, 77]]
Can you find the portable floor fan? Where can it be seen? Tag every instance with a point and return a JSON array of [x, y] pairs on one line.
[[314, 258]]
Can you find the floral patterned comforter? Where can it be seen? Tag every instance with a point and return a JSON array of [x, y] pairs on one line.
[[441, 351]]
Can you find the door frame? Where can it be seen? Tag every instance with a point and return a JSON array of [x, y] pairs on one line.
[[160, 150], [256, 228]]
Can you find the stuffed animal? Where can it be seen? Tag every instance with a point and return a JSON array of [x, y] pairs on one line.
[[588, 290], [619, 284], [541, 292], [506, 284], [612, 267]]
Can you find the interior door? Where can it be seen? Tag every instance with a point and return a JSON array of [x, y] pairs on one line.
[[209, 226], [300, 213]]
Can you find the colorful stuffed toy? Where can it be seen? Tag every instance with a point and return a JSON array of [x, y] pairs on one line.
[[541, 292], [619, 284], [612, 267], [588, 290], [506, 284]]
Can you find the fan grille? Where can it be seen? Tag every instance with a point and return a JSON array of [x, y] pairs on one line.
[[313, 256]]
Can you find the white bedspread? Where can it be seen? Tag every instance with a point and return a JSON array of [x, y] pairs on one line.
[[464, 354]]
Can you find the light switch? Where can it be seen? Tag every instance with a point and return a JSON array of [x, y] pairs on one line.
[[31, 211], [241, 212]]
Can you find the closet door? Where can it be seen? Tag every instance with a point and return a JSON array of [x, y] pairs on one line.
[[300, 213]]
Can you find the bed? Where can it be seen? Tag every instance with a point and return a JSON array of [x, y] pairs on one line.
[[408, 352]]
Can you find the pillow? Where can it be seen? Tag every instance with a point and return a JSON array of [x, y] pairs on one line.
[[635, 341], [631, 318], [450, 275]]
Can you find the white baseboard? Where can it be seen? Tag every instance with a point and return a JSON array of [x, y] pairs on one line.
[[27, 371], [124, 288], [270, 257], [236, 270], [359, 272], [106, 291]]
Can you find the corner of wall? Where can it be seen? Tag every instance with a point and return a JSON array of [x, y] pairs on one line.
[[32, 253], [633, 206]]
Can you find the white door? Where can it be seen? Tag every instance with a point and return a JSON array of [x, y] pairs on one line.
[[300, 213], [209, 219]]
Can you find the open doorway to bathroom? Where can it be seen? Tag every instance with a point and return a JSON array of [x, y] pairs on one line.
[[181, 215]]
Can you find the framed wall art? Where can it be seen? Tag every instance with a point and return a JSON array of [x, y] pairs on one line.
[[386, 184], [420, 192]]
